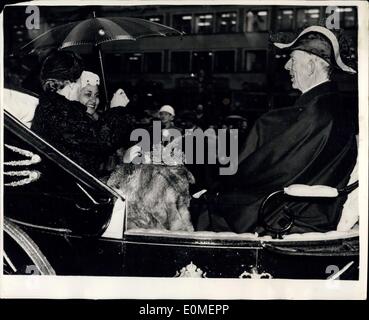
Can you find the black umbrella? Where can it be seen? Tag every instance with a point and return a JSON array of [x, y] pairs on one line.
[[96, 33]]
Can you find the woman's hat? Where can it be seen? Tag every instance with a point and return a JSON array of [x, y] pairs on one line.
[[88, 77], [321, 42], [62, 65]]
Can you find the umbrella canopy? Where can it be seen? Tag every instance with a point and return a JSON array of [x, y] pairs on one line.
[[95, 32]]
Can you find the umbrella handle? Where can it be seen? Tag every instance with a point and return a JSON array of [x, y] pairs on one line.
[[103, 76]]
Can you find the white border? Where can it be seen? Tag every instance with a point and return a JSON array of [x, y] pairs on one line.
[[1, 147], [59, 287]]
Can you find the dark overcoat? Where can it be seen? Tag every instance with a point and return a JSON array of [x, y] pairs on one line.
[[313, 142]]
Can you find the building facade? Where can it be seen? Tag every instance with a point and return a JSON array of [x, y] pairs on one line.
[[224, 56]]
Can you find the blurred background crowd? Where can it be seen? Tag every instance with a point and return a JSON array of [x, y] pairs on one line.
[[222, 73]]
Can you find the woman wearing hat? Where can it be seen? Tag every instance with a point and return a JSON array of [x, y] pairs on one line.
[[312, 142], [63, 121]]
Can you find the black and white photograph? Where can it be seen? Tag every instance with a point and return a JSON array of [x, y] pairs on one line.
[[182, 145]]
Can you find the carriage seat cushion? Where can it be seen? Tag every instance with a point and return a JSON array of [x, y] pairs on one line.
[[21, 105], [210, 235], [350, 212]]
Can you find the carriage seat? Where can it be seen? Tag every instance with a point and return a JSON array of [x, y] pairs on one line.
[[350, 212], [21, 105]]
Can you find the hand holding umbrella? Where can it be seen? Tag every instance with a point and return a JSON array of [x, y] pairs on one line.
[[119, 99]]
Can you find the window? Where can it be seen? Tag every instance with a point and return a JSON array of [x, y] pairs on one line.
[[113, 63], [153, 62], [347, 17], [157, 19], [180, 62], [307, 17], [255, 61], [256, 21], [204, 23], [224, 61], [182, 22], [226, 22], [284, 20], [133, 62], [202, 60]]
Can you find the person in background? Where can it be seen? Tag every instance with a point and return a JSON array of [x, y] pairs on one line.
[[189, 120], [63, 121], [166, 116], [200, 116], [243, 131]]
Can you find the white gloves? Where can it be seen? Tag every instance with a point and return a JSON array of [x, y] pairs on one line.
[[120, 99], [132, 153]]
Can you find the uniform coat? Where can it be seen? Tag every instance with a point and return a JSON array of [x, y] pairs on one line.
[[312, 142]]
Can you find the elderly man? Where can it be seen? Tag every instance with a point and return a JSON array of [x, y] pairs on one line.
[[312, 142]]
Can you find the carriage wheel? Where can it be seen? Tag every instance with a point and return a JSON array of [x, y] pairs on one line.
[[21, 253]]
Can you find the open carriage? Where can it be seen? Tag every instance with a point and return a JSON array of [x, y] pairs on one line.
[[59, 219]]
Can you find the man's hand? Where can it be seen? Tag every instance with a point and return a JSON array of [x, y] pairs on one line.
[[120, 99]]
